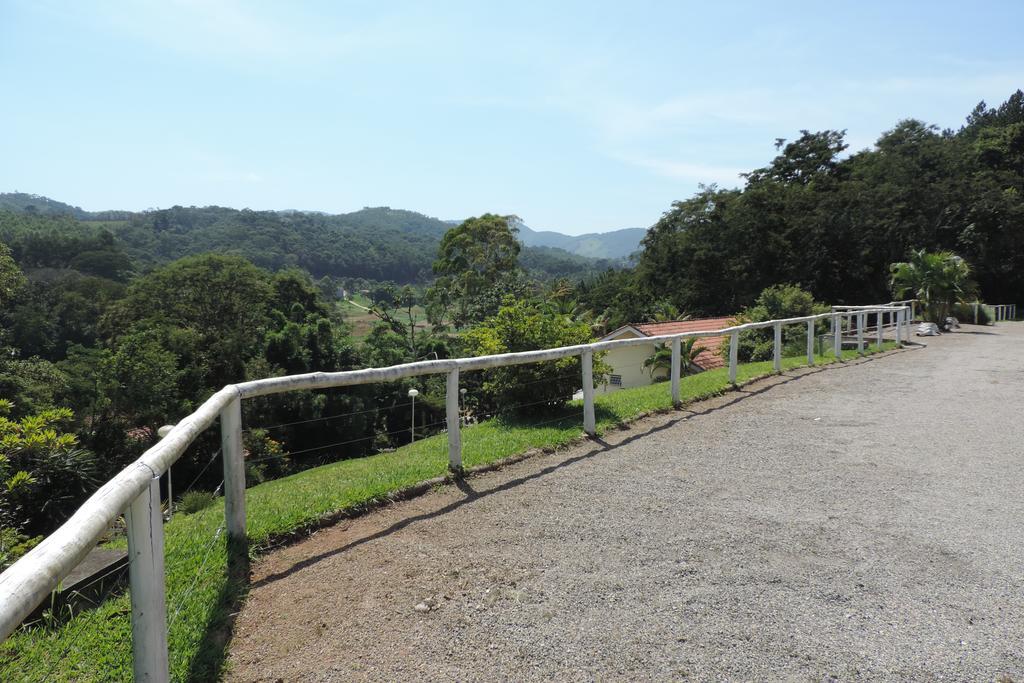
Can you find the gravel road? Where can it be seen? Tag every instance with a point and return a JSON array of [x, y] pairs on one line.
[[864, 522]]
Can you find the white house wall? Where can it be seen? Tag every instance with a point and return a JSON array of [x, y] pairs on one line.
[[628, 363]]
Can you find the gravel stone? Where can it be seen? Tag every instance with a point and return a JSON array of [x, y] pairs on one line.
[[844, 523]]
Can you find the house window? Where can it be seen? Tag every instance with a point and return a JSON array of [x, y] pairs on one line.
[[615, 380]]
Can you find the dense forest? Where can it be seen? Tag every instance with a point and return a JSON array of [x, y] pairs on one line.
[[833, 223], [114, 324], [381, 244]]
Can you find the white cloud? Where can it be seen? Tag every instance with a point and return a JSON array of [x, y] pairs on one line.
[[692, 172], [242, 32]]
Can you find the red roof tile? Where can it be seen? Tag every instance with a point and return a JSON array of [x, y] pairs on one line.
[[708, 359]]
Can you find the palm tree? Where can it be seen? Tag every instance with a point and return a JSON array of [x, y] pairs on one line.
[[938, 279], [689, 351], [664, 312], [661, 359]]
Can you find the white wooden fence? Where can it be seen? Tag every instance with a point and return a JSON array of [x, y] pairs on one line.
[[998, 312], [135, 491]]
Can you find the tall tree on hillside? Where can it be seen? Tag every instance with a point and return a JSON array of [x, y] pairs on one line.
[[211, 311], [476, 264], [11, 277]]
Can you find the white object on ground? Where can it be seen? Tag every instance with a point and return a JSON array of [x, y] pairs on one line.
[[927, 330]]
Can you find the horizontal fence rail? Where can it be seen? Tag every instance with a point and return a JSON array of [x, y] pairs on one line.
[[997, 312], [133, 491]]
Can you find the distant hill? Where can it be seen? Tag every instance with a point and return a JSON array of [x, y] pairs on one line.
[[44, 206], [38, 204], [376, 243], [617, 244]]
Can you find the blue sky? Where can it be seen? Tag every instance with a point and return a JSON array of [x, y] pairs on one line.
[[578, 117]]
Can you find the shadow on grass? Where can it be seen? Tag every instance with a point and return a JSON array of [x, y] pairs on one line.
[[208, 662]]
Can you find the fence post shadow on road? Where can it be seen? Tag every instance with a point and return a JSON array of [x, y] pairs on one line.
[[600, 445], [220, 625]]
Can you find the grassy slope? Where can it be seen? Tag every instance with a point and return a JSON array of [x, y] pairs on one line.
[[362, 321], [96, 645]]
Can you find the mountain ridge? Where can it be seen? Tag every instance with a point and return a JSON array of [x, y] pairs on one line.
[[615, 245], [377, 243]]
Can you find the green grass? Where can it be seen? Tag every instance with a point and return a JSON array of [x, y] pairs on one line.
[[362, 321], [96, 645]]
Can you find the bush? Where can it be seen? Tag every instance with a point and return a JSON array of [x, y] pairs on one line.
[[194, 501], [44, 474], [534, 387], [775, 302], [965, 314], [265, 458], [13, 545]]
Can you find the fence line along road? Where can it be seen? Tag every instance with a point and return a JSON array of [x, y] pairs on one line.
[[30, 580]]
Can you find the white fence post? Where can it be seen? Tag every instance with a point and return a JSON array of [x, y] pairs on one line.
[[810, 342], [145, 524], [676, 368], [589, 420], [777, 348], [451, 400], [734, 349], [975, 304], [837, 337], [861, 318], [881, 328], [899, 326], [234, 484]]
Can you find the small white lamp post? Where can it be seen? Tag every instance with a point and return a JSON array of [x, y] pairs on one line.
[[162, 432], [412, 426]]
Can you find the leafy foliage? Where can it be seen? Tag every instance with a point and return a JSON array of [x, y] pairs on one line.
[[477, 264], [832, 224], [660, 362], [44, 473], [941, 280], [775, 303], [534, 387]]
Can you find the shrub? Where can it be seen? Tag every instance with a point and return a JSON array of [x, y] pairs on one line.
[[13, 545], [533, 387], [265, 457], [965, 314], [194, 501], [44, 474], [775, 302]]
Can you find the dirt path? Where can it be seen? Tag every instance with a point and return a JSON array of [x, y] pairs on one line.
[[862, 522]]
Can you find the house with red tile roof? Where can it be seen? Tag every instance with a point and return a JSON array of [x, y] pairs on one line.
[[627, 362]]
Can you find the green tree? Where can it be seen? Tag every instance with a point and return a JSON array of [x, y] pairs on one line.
[[48, 473], [938, 279], [211, 311], [144, 379], [661, 360], [11, 277], [774, 303], [476, 264], [533, 387]]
